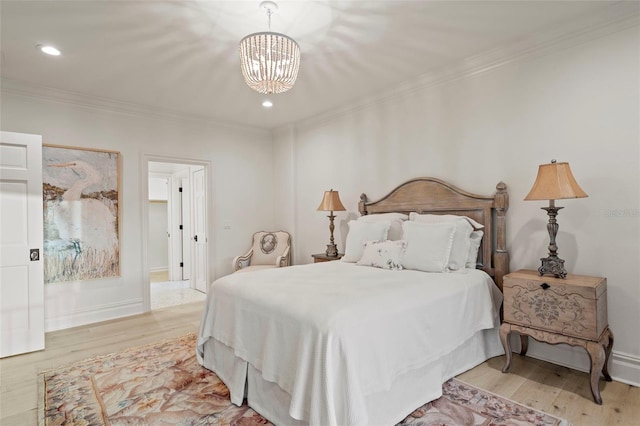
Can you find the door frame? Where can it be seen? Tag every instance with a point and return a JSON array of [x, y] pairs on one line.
[[144, 199]]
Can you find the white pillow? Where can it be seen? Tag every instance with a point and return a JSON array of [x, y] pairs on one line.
[[474, 247], [359, 232], [414, 216], [383, 254], [428, 245], [461, 242], [396, 219]]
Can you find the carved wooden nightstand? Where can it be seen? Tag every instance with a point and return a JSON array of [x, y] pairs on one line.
[[555, 310], [322, 257]]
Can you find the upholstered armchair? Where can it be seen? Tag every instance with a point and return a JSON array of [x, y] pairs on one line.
[[269, 250]]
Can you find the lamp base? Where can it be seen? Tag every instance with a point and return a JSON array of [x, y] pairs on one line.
[[332, 250], [552, 265]]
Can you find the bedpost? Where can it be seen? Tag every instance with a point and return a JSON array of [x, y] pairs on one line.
[[361, 207], [501, 256]]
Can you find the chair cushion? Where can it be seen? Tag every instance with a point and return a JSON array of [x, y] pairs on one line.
[[268, 246]]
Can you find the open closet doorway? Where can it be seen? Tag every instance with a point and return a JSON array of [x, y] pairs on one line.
[[176, 216]]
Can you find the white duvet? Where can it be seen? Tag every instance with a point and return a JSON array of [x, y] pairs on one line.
[[331, 333]]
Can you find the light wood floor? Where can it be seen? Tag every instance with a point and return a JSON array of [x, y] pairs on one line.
[[554, 389], [159, 276]]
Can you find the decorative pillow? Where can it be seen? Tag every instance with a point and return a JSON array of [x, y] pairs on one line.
[[428, 245], [395, 219], [359, 232], [383, 254], [461, 243], [474, 246]]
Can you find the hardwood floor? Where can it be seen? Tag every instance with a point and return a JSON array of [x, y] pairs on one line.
[[19, 374], [558, 390], [548, 387]]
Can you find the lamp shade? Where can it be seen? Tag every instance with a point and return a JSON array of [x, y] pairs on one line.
[[331, 202], [554, 182]]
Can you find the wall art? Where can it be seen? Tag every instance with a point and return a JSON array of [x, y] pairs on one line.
[[81, 191]]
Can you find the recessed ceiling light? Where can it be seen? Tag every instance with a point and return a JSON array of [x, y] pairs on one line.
[[267, 104], [48, 49]]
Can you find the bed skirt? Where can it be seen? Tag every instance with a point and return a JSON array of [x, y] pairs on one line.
[[387, 408]]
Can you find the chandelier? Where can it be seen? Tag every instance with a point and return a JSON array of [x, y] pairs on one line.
[[269, 60]]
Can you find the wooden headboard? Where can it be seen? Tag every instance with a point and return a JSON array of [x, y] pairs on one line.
[[431, 195]]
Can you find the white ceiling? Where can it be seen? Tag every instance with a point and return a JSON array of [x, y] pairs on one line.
[[181, 56]]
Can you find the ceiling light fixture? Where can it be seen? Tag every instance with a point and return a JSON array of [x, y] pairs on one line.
[[269, 61], [49, 50], [267, 104]]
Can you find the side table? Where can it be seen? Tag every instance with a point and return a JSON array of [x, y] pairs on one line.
[[555, 310], [322, 257]]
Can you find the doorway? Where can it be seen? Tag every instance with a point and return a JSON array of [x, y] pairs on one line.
[[173, 215]]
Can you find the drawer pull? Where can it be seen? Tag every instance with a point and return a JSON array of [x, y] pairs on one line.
[[545, 286]]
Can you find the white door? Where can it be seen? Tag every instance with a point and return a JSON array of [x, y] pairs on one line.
[[179, 227], [199, 229], [21, 240], [186, 229], [175, 231]]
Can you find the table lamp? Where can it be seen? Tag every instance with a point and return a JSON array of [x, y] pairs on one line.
[[554, 182], [330, 203]]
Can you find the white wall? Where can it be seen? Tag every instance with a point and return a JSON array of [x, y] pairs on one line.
[[575, 103], [158, 239], [158, 222], [158, 188], [284, 182], [241, 190]]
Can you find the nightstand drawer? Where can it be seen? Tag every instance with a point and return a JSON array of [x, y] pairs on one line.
[[575, 306]]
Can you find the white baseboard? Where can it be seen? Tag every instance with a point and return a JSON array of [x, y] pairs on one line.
[[623, 367], [159, 269], [96, 314]]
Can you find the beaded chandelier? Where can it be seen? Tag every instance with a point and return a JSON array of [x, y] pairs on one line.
[[269, 61]]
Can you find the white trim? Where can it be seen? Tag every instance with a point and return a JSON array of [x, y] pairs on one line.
[[159, 269], [617, 17], [113, 106], [622, 16], [626, 367], [94, 315], [145, 158]]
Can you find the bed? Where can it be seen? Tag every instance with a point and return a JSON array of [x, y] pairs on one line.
[[337, 343]]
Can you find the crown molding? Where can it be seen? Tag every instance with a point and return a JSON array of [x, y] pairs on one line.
[[617, 17], [80, 100]]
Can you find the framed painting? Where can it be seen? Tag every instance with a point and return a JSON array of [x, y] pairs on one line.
[[81, 200]]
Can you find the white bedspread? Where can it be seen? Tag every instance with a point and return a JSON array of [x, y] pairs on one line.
[[331, 333]]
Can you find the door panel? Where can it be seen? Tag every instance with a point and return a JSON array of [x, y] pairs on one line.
[[175, 233], [186, 230], [21, 276], [199, 229]]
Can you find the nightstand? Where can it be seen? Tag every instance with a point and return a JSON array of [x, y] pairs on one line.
[[322, 257], [555, 310]]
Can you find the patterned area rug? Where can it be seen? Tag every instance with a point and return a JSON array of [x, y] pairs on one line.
[[163, 384]]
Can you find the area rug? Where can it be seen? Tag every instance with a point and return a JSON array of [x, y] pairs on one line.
[[163, 384]]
